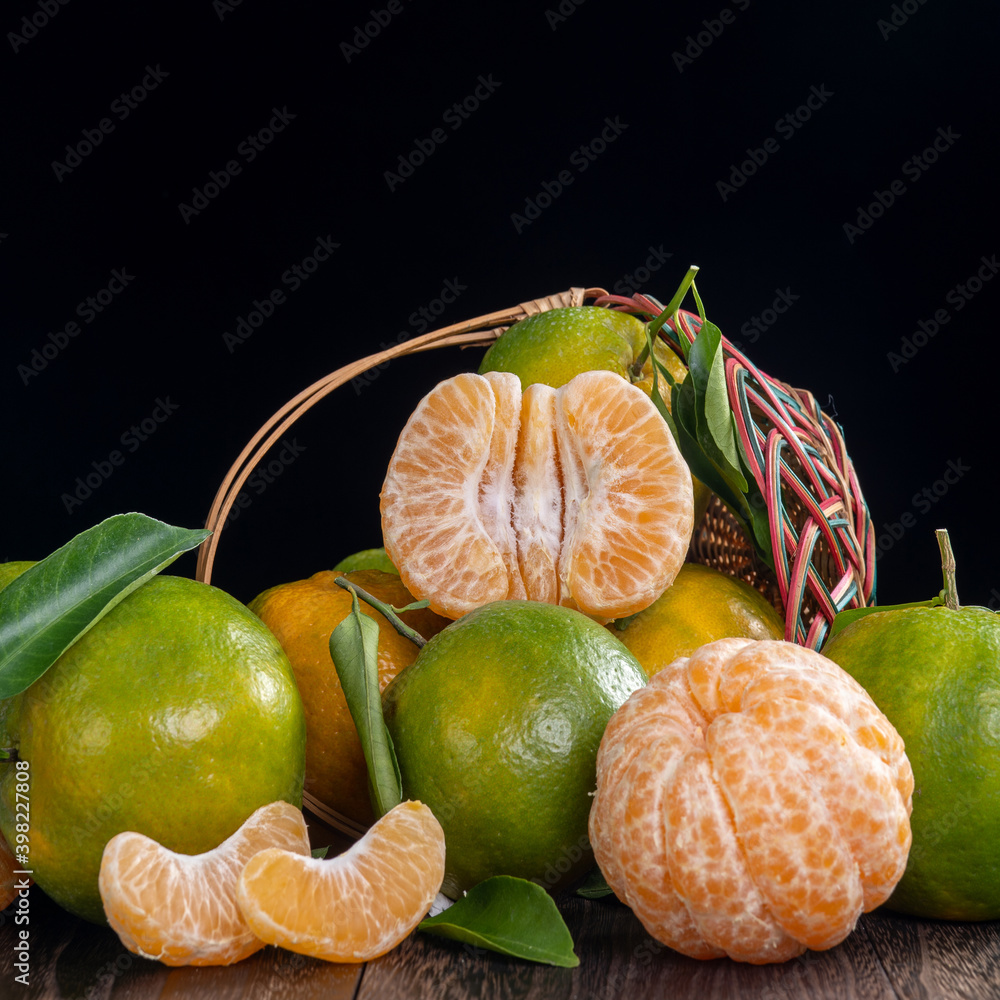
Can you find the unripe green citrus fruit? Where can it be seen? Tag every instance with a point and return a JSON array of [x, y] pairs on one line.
[[175, 716], [935, 673], [496, 727]]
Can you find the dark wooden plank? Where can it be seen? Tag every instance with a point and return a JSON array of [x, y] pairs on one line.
[[936, 959], [621, 960], [71, 958], [887, 958]]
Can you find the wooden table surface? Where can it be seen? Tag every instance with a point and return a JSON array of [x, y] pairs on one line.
[[887, 956]]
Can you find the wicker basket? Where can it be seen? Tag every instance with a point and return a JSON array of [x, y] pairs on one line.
[[821, 533]]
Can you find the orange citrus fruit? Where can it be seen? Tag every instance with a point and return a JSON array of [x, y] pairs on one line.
[[353, 907], [575, 496], [181, 908], [935, 672], [496, 727], [700, 606], [752, 801], [302, 615]]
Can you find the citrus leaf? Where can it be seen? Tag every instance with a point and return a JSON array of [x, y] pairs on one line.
[[53, 603], [594, 886], [354, 648], [714, 414], [320, 852], [511, 916], [844, 618]]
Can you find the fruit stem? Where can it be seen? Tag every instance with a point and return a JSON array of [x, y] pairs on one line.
[[948, 569], [386, 609], [636, 370], [674, 304]]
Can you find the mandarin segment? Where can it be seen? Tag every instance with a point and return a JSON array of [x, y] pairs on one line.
[[180, 908], [743, 807], [432, 524], [577, 496], [357, 905]]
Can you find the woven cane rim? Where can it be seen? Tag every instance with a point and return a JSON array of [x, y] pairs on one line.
[[821, 532]]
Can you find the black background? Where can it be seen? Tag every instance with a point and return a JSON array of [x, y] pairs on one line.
[[559, 72]]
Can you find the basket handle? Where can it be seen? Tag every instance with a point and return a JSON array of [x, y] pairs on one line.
[[478, 332]]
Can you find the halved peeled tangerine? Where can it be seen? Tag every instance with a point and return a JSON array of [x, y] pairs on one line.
[[752, 801], [575, 496], [181, 908]]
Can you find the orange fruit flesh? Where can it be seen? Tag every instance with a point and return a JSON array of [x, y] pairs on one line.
[[180, 908], [786, 796], [353, 907], [575, 496]]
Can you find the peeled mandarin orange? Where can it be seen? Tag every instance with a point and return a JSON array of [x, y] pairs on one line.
[[181, 908], [574, 495], [356, 906], [752, 801]]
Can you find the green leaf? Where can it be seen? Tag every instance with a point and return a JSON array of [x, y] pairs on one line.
[[594, 886], [320, 853], [509, 915], [354, 648], [844, 618], [715, 428], [50, 605]]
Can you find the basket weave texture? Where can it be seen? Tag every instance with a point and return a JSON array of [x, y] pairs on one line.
[[821, 533]]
